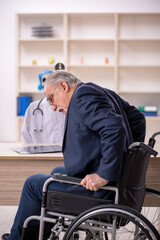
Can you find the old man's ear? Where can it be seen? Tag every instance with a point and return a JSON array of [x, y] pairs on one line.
[[64, 86]]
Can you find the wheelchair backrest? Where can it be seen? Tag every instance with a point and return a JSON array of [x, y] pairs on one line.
[[132, 182]]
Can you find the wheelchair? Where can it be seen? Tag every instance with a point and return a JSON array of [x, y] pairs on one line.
[[82, 217]]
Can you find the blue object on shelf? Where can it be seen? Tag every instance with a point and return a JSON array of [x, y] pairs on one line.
[[43, 77], [150, 114], [22, 104], [18, 106]]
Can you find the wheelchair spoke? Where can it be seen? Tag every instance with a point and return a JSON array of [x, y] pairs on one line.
[[153, 215], [152, 207], [122, 225]]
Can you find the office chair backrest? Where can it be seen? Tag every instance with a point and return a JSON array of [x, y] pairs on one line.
[[132, 183]]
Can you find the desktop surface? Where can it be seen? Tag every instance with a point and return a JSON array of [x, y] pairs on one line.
[[6, 152]]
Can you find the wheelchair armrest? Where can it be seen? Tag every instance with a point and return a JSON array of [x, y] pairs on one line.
[[145, 147], [63, 178], [73, 180], [66, 179]]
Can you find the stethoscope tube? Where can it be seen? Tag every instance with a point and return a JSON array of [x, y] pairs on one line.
[[41, 111]]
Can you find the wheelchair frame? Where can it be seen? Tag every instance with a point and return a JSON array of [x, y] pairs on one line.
[[62, 179], [70, 222]]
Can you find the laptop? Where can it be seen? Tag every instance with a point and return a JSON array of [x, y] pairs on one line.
[[34, 149]]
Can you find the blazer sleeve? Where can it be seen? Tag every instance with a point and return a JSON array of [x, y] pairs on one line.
[[99, 116]]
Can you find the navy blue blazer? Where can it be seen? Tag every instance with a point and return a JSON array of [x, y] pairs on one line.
[[98, 129]]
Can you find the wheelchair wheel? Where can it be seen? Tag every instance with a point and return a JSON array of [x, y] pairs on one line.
[[111, 222], [150, 210]]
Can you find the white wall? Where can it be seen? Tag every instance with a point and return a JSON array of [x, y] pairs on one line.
[[7, 42]]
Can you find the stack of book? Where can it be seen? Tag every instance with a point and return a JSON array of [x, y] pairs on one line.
[[42, 31], [149, 110], [22, 104]]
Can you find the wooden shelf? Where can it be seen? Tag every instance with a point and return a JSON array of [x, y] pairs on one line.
[[138, 39], [41, 40], [20, 118], [152, 118], [29, 92], [82, 41], [138, 91], [91, 66], [138, 66], [37, 66], [90, 39]]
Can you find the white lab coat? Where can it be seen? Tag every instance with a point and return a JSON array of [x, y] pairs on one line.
[[52, 124]]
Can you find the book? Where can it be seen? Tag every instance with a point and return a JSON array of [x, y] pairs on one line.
[[150, 113], [148, 108], [22, 104]]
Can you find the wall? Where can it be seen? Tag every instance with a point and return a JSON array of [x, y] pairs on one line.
[[7, 42]]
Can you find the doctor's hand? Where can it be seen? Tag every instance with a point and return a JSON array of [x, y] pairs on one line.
[[93, 182]]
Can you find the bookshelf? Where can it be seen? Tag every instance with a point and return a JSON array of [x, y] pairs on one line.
[[120, 51]]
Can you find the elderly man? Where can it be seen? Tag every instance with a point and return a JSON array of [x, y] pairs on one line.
[[99, 126]]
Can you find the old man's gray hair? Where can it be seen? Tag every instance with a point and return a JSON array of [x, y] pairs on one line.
[[61, 75]]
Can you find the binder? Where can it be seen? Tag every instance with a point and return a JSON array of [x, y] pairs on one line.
[[22, 104]]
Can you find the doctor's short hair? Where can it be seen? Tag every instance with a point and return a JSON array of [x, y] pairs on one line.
[[61, 75]]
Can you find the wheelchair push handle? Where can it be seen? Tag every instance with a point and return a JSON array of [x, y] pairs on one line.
[[155, 134], [152, 140]]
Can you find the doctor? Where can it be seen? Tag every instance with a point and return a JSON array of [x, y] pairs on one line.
[[41, 123]]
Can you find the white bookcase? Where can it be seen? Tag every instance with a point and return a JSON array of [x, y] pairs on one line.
[[117, 51]]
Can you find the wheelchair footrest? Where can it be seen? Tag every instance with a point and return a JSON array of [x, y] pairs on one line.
[[68, 203]]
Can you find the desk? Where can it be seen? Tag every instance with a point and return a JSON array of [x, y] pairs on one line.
[[15, 168]]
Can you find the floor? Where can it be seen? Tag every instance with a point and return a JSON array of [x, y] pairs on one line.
[[7, 214]]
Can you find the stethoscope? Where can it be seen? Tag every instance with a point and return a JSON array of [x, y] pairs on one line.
[[38, 109]]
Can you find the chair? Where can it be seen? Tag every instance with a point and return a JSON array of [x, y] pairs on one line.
[[81, 217]]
